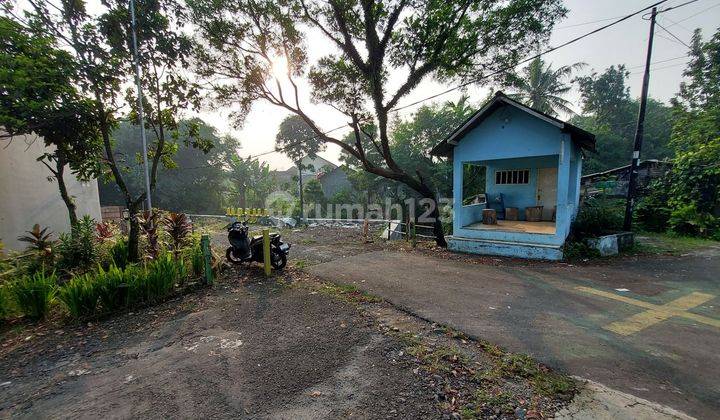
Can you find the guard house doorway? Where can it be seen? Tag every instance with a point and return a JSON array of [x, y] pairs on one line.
[[547, 191]]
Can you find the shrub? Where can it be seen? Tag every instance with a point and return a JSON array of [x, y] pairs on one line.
[[80, 296], [113, 286], [38, 239], [158, 279], [119, 253], [598, 216], [34, 293], [575, 251], [197, 260], [653, 211], [178, 228], [4, 303], [688, 220], [149, 225], [78, 249]]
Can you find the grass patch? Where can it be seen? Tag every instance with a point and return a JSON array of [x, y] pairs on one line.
[[441, 359], [300, 263], [349, 293], [665, 243]]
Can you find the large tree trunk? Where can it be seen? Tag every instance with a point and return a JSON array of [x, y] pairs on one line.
[[134, 233], [438, 230], [60, 163]]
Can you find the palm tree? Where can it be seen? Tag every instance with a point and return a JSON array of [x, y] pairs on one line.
[[543, 88]]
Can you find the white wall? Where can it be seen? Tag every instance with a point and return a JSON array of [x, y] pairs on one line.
[[27, 197]]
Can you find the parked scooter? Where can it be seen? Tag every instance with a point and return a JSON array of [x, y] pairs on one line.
[[245, 249]]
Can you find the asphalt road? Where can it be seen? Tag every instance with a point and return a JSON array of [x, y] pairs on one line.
[[649, 327]]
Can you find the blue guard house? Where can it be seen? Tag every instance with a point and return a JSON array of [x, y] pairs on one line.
[[516, 180]]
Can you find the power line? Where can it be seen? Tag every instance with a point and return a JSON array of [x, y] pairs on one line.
[[694, 14], [662, 67], [494, 73], [660, 61], [672, 34]]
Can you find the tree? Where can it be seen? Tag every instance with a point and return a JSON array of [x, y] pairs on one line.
[[694, 196], [541, 87], [37, 95], [297, 140], [196, 183], [454, 40], [250, 179], [100, 46], [610, 113]]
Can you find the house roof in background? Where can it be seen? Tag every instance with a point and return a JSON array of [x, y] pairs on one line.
[[582, 138]]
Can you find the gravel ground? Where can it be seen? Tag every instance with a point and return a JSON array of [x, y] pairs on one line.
[[286, 347], [248, 348]]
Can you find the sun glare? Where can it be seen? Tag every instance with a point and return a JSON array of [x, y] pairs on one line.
[[279, 66]]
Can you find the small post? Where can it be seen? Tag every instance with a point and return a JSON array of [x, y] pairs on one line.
[[266, 251], [207, 255]]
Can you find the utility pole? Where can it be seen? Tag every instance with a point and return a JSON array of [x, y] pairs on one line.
[[136, 56], [637, 145], [300, 187]]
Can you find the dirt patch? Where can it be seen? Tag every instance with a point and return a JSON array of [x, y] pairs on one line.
[[249, 348]]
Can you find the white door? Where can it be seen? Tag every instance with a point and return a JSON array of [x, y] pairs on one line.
[[547, 191]]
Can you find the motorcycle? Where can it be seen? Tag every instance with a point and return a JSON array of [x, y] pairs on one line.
[[246, 249]]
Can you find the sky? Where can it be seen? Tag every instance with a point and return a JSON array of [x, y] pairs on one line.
[[625, 43]]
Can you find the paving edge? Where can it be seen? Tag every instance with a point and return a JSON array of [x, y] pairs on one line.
[[597, 401]]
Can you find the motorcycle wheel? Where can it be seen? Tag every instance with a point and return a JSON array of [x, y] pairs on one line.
[[278, 260], [231, 257]]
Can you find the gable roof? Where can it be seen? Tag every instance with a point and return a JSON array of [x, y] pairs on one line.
[[582, 138]]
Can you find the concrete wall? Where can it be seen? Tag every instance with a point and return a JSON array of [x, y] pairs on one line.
[[27, 197], [511, 138]]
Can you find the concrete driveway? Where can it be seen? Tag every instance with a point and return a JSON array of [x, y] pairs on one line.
[[649, 327]]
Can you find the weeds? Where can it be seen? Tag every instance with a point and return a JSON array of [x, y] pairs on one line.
[[350, 293], [33, 294]]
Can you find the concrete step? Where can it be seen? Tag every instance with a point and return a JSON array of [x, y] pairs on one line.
[[505, 248]]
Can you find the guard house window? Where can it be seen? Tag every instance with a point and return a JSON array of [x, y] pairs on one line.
[[512, 176]]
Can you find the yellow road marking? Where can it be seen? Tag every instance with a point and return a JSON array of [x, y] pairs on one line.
[[655, 313]]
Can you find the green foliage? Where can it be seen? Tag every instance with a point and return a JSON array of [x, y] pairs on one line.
[[80, 296], [689, 220], [579, 250], [38, 95], [474, 181], [541, 87], [4, 303], [652, 212], [79, 248], [158, 279], [598, 216], [113, 286], [34, 293], [313, 192], [196, 183], [197, 260], [250, 180], [611, 114], [119, 253], [694, 193], [297, 139]]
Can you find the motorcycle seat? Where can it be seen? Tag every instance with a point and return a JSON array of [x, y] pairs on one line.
[[259, 237]]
